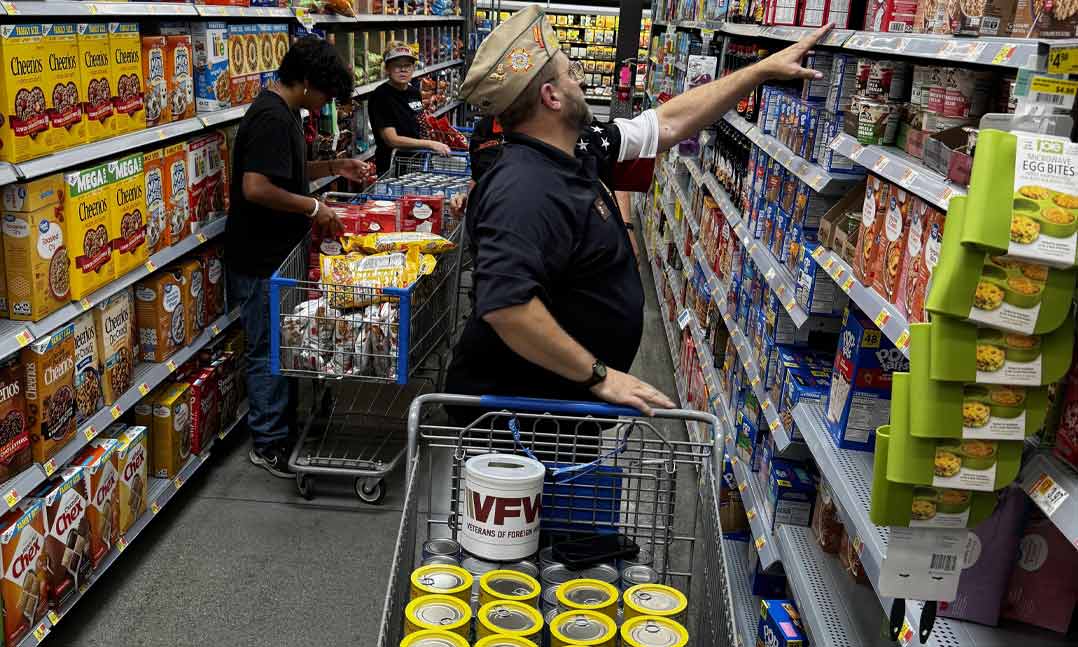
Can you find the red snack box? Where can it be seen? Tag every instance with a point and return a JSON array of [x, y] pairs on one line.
[[67, 533], [422, 213], [213, 274], [923, 243], [869, 239], [896, 16], [25, 590], [205, 410], [15, 447], [888, 264], [206, 182]]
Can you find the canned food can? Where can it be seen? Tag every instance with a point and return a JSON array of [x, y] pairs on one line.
[[441, 547], [478, 567], [590, 595], [441, 612], [549, 599], [643, 557], [501, 640], [433, 638], [524, 566], [653, 631], [546, 558], [508, 618], [441, 579], [654, 600], [638, 574], [438, 559], [508, 585], [602, 572], [582, 628]]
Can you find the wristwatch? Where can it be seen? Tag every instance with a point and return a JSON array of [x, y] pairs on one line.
[[598, 374]]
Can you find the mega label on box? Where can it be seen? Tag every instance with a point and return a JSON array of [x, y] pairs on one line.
[[128, 213], [1044, 224], [95, 89], [88, 226], [25, 588], [67, 127]]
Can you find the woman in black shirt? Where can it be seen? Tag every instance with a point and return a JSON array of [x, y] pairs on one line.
[[394, 109]]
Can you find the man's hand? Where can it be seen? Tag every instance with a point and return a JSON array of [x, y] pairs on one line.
[[457, 205], [326, 220], [438, 147], [622, 388], [786, 64], [352, 169]]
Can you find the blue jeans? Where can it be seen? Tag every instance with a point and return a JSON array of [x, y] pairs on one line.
[[272, 398]]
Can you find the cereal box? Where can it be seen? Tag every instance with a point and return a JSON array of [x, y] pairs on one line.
[[132, 467], [888, 262], [421, 213], [65, 500], [126, 75], [170, 437], [98, 462], [206, 183], [35, 257], [95, 89], [24, 589], [153, 170], [194, 297], [3, 285], [177, 208], [870, 234], [780, 625], [213, 266], [178, 72], [23, 52], [88, 228], [1039, 19], [923, 246], [266, 59], [159, 315], [210, 42], [128, 213], [88, 394], [114, 324], [49, 365], [153, 71], [67, 125], [791, 492], [14, 436], [205, 409]]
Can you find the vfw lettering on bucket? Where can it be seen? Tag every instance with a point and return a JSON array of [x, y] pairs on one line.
[[490, 514], [502, 497]]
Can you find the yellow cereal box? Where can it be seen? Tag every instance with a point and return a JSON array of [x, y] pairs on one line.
[[67, 126], [88, 229], [156, 77], [127, 99], [35, 258], [95, 60], [24, 57], [128, 213], [170, 435]]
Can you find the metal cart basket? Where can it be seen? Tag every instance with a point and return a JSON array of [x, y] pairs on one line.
[[660, 492]]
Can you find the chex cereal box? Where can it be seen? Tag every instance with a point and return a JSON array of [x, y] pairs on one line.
[[24, 589], [67, 533], [24, 55], [98, 462], [132, 468]]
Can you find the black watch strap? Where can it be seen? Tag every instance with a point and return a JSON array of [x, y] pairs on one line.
[[598, 374]]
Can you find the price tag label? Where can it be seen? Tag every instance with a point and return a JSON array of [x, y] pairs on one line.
[[200, 237], [115, 411], [143, 389], [905, 635], [10, 8], [170, 365], [23, 337], [1057, 93], [90, 432], [215, 329], [177, 482], [755, 381], [53, 618], [683, 319], [760, 542], [829, 263], [11, 498], [769, 275], [733, 460], [121, 544], [880, 164], [84, 304], [818, 252], [903, 341], [1047, 494], [790, 305], [50, 467], [847, 284], [856, 152], [1004, 54], [742, 486], [150, 267], [882, 318], [907, 177], [1061, 60], [92, 9], [41, 630], [945, 194], [750, 514], [775, 424], [765, 405], [781, 289], [677, 210]]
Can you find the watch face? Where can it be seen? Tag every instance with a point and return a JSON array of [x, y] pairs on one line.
[[599, 369]]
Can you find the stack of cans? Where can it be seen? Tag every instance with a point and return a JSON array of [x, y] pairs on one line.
[[421, 183]]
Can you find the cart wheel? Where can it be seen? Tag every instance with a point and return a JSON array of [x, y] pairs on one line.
[[370, 492], [305, 485]]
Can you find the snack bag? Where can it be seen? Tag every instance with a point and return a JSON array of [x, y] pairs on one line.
[[425, 242]]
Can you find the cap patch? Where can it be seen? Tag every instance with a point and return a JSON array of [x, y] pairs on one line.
[[520, 60]]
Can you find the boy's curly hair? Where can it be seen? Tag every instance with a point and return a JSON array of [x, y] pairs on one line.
[[314, 60]]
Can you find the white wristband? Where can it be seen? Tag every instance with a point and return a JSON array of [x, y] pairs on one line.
[[315, 210]]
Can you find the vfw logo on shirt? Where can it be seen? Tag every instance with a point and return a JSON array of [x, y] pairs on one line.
[[416, 105]]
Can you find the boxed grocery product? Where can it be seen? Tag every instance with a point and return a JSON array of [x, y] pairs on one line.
[[887, 266], [212, 84], [156, 78], [791, 491], [153, 165], [95, 88], [817, 13], [179, 56], [24, 587], [1042, 589], [170, 436], [49, 365], [126, 77], [87, 201], [213, 270], [98, 463], [205, 409], [421, 213], [870, 234], [177, 204], [780, 625], [894, 16], [65, 499], [23, 50], [808, 382], [194, 297], [88, 393], [861, 382], [206, 180], [764, 584], [159, 315], [850, 558], [923, 244], [1034, 19], [132, 466], [115, 324], [128, 213], [825, 522], [35, 258], [67, 123], [816, 293], [15, 436], [4, 313]]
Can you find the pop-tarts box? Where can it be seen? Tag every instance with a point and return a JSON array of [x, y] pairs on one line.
[[832, 162], [809, 207], [779, 326], [806, 381], [860, 396], [748, 431], [816, 293], [780, 228], [791, 491], [780, 625], [843, 79]]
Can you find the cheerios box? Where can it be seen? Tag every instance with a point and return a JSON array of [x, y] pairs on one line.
[[127, 77], [24, 55], [89, 228], [780, 625], [860, 391], [128, 214]]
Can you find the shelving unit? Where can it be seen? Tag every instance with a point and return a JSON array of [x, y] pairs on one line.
[[752, 497], [1053, 486], [367, 88], [900, 168], [449, 107]]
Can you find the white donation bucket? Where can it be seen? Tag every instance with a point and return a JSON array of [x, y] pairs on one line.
[[502, 494]]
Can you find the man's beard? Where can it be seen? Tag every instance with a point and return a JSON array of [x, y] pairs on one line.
[[578, 116]]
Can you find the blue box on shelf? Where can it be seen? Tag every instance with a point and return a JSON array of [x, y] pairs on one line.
[[804, 382], [791, 491], [816, 293], [764, 584], [779, 326], [780, 625]]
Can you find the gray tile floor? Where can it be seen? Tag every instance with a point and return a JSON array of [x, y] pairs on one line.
[[239, 558]]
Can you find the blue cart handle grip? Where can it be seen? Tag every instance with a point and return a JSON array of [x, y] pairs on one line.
[[557, 407]]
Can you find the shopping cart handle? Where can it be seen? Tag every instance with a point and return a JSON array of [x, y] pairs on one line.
[[560, 407]]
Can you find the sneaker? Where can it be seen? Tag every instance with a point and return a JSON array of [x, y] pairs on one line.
[[273, 458]]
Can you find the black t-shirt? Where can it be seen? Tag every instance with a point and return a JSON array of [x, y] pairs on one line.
[[270, 141], [544, 224], [389, 107]]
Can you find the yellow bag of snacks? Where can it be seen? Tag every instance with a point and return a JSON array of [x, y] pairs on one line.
[[401, 241], [354, 280]]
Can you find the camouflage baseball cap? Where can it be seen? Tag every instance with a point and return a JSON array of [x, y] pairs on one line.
[[397, 49], [508, 60]]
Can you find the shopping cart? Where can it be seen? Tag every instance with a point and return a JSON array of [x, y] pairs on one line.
[[657, 491]]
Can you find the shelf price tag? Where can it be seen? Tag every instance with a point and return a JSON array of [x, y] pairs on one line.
[[908, 176], [905, 636], [829, 263], [880, 164], [781, 289], [143, 389], [945, 194], [53, 618], [765, 405], [769, 275], [11, 498], [10, 8], [121, 544], [41, 630], [115, 411], [1047, 494], [85, 304], [23, 337], [775, 424], [201, 237], [903, 341], [170, 365], [50, 467], [178, 482], [847, 284], [154, 508], [90, 432], [882, 318], [1061, 60], [150, 267], [760, 542], [923, 563], [818, 252], [790, 305], [742, 486], [755, 381], [215, 329], [750, 514]]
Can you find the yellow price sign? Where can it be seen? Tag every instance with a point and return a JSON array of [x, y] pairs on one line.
[[115, 411], [154, 508], [760, 542], [150, 267], [178, 482], [11, 498], [24, 337], [755, 380], [1004, 54], [143, 389], [829, 263], [847, 284], [10, 8], [765, 405], [882, 318], [85, 304], [215, 329], [170, 365], [121, 544], [742, 486], [90, 432], [780, 290], [903, 341], [53, 618], [201, 237], [905, 636], [818, 252], [790, 305], [1049, 85], [1063, 60], [750, 514], [41, 630], [775, 424], [50, 467], [677, 210]]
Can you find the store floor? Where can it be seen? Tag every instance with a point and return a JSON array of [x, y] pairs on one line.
[[239, 558]]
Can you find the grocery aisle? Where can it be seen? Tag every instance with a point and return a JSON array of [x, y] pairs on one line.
[[239, 558]]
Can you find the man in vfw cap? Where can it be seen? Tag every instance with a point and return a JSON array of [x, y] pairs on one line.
[[558, 307]]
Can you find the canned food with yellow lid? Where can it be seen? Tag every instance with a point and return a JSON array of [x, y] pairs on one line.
[[434, 638], [441, 579], [438, 612], [508, 585], [505, 641], [508, 618], [654, 600], [582, 629], [592, 595], [653, 631]]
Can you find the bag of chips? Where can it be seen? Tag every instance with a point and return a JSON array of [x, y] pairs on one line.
[[402, 241], [354, 280]]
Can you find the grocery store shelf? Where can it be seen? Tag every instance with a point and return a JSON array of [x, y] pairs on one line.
[[900, 168], [597, 99], [833, 607], [322, 182], [746, 606], [17, 487], [7, 173], [834, 38], [160, 493], [755, 504], [884, 314], [686, 208], [738, 29], [367, 88], [367, 18], [223, 11], [160, 259], [223, 116], [449, 107], [67, 8], [984, 50], [744, 126], [1053, 486], [367, 154]]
